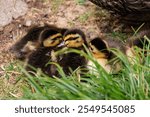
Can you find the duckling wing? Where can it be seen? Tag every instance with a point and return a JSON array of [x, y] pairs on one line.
[[39, 58], [72, 61]]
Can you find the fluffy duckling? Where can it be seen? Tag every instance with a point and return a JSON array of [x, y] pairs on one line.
[[50, 39], [35, 47], [73, 38], [136, 46], [101, 53]]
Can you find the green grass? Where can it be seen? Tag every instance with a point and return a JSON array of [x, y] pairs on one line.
[[131, 83], [121, 36], [81, 2], [11, 82]]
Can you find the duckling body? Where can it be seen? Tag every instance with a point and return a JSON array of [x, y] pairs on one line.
[[39, 59], [71, 62]]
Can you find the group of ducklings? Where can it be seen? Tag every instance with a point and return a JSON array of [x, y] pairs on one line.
[[40, 47]]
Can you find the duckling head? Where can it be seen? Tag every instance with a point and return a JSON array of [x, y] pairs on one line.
[[74, 38], [51, 38], [98, 48], [101, 53]]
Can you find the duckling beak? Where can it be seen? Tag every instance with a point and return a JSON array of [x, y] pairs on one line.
[[61, 44]]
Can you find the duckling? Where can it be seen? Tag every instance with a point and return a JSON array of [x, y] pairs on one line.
[[136, 46], [35, 47], [75, 39], [50, 39], [102, 54]]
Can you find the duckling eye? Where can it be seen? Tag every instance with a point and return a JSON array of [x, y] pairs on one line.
[[91, 48], [58, 38], [72, 39], [52, 42], [79, 40]]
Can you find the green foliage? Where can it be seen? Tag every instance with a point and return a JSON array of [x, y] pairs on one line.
[[131, 83], [121, 36], [81, 2], [11, 82]]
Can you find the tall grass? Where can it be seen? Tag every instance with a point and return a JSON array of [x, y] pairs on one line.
[[131, 83]]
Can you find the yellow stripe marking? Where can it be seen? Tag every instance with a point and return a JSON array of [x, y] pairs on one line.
[[55, 36]]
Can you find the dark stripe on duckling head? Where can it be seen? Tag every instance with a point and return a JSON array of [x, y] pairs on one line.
[[63, 30], [71, 37]]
